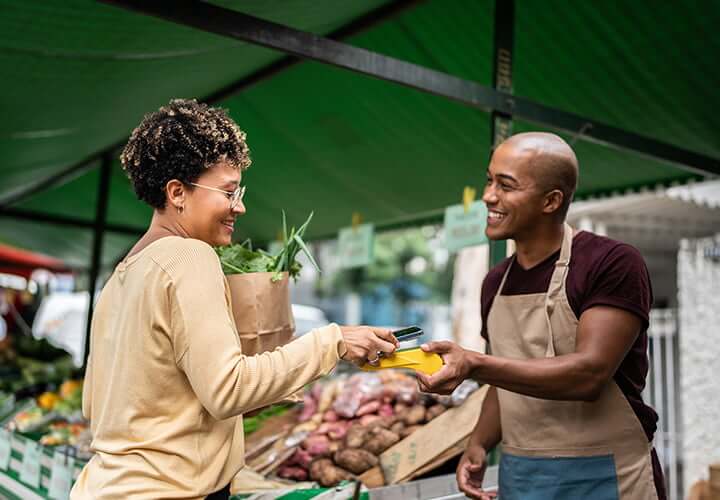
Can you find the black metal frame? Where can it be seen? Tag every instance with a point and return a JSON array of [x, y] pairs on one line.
[[64, 220], [98, 237], [501, 122]]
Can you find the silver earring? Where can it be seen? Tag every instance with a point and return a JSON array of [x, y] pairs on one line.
[[180, 209]]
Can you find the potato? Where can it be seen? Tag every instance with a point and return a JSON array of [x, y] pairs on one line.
[[434, 411], [355, 436], [409, 430], [317, 466], [415, 415], [397, 427], [380, 440], [327, 474], [355, 460], [401, 410]]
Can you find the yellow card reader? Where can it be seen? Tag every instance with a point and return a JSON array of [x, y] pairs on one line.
[[413, 358]]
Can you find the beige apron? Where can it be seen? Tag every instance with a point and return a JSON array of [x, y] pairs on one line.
[[568, 444]]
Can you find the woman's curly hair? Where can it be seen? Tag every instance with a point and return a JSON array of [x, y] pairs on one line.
[[180, 141]]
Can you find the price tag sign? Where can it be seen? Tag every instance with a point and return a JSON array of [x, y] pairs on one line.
[[61, 477], [465, 228], [5, 449], [356, 245], [30, 469]]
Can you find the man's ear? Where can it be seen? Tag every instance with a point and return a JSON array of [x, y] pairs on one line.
[[553, 201], [175, 193]]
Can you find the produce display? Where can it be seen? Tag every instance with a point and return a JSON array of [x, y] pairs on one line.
[[54, 419], [346, 423]]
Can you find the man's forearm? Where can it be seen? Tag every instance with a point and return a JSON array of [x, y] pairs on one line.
[[567, 377], [488, 432]]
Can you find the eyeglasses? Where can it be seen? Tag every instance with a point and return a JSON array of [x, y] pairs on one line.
[[233, 196]]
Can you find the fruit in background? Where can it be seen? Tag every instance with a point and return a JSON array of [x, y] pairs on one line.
[[69, 387], [47, 400]]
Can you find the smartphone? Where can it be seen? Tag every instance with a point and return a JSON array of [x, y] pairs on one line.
[[409, 333]]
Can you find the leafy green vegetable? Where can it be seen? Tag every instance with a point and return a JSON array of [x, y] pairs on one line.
[[251, 424], [240, 258]]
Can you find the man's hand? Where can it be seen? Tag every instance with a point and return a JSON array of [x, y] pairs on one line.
[[458, 367], [471, 471]]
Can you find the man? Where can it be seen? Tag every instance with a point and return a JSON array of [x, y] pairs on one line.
[[566, 320]]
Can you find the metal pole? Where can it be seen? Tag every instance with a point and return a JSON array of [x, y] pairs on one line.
[[670, 343], [501, 122], [103, 195]]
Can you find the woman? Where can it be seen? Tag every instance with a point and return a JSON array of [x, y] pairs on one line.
[[166, 381]]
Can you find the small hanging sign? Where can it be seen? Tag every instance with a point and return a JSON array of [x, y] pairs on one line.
[[355, 244], [465, 224]]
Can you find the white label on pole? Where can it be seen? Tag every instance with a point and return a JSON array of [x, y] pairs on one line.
[[356, 245], [30, 470], [61, 477], [465, 228], [5, 449]]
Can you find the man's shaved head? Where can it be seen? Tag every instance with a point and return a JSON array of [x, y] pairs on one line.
[[550, 161]]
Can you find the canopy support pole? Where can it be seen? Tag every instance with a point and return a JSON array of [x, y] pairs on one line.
[[103, 195], [500, 121]]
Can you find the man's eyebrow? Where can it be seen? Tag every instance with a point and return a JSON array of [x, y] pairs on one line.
[[507, 177]]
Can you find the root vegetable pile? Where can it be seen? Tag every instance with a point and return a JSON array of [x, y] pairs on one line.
[[348, 423]]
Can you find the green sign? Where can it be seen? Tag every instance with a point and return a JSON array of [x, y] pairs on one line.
[[61, 477], [465, 228], [30, 470], [5, 449], [356, 246]]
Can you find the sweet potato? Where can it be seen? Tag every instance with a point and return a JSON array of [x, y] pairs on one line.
[[368, 408], [293, 472], [330, 416], [386, 410], [415, 415], [309, 408], [355, 460], [434, 411], [380, 439], [300, 457], [316, 445], [338, 430], [368, 419]]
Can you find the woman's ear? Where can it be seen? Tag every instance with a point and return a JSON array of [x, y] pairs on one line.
[[175, 194], [553, 201]]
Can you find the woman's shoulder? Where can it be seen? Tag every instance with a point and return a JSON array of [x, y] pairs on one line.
[[177, 255]]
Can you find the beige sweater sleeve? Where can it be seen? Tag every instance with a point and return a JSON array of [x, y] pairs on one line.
[[208, 351]]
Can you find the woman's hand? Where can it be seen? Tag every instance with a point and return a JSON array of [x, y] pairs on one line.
[[365, 343]]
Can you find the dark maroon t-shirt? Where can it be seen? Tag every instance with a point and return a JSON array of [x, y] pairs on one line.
[[602, 272]]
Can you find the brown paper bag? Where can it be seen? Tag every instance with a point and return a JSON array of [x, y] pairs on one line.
[[262, 311]]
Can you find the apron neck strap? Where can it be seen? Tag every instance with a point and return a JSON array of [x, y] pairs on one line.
[[557, 284], [562, 263]]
